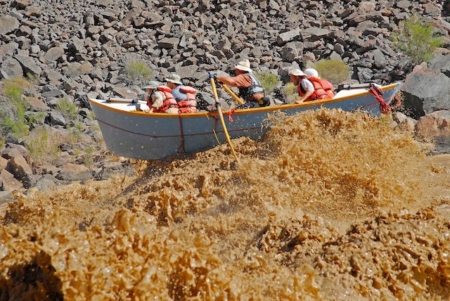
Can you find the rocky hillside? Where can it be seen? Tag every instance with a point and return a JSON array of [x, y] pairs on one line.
[[79, 49]]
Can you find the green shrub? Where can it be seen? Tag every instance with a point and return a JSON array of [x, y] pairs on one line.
[[75, 131], [67, 108], [2, 142], [138, 72], [36, 117], [88, 157], [416, 40], [268, 81], [335, 71], [43, 146], [290, 93], [14, 121]]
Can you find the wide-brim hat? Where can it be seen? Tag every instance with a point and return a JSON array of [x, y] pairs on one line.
[[297, 72], [174, 78], [244, 66], [151, 85]]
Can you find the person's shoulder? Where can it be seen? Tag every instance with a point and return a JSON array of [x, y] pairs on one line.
[[244, 77], [158, 93]]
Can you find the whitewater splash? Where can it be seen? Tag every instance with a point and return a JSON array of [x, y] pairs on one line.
[[329, 205]]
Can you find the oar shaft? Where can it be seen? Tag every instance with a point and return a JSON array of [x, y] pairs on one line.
[[124, 100], [219, 110], [232, 94]]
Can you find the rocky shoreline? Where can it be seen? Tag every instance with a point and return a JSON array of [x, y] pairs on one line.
[[79, 49]]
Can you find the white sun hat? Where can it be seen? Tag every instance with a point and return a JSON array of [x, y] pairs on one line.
[[297, 72], [244, 65], [151, 85], [174, 78], [311, 72]]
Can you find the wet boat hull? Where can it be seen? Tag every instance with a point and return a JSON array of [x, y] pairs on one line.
[[154, 136]]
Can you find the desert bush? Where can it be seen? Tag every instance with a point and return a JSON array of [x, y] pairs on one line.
[[36, 117], [67, 108], [268, 81], [75, 131], [13, 121], [138, 71], [43, 145], [417, 40], [335, 71], [88, 157], [2, 142], [290, 93]]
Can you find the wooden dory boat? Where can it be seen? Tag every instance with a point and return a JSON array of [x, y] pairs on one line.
[[153, 136]]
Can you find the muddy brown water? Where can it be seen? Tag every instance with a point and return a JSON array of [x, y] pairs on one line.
[[328, 206]]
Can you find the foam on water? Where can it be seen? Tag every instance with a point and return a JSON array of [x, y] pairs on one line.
[[329, 205]]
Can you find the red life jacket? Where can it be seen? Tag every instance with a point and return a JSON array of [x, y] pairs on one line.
[[319, 92], [188, 105], [326, 85], [169, 101]]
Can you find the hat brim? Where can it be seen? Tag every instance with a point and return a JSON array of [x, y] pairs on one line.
[[149, 87], [243, 68], [173, 81]]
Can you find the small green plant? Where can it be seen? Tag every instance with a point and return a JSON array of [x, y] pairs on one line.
[[88, 157], [2, 142], [33, 78], [138, 71], [43, 146], [14, 121], [416, 40], [90, 115], [67, 108], [290, 93], [75, 131], [336, 71], [268, 81], [36, 117]]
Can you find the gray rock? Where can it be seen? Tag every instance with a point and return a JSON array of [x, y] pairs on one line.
[[11, 68], [6, 196], [8, 24], [426, 92], [29, 65], [20, 169], [74, 172], [45, 183], [54, 54], [8, 49], [8, 182]]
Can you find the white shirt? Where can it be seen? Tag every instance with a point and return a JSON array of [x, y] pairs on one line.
[[307, 85]]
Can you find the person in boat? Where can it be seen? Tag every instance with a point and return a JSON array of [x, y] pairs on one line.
[[250, 88], [307, 90], [160, 99], [313, 76], [184, 95]]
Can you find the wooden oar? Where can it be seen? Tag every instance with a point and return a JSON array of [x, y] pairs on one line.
[[219, 110], [124, 100], [232, 94]]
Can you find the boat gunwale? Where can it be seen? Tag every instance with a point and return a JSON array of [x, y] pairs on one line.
[[104, 104]]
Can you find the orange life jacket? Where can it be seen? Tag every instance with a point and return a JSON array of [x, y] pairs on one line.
[[188, 105], [169, 100], [319, 92], [326, 85]]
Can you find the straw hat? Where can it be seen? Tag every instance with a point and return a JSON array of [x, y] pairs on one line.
[[151, 85], [174, 78], [244, 65], [297, 72]]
